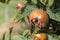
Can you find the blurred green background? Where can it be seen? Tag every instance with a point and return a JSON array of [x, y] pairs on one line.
[[12, 10]]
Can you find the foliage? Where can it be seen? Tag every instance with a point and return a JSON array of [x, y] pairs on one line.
[[52, 8], [53, 11]]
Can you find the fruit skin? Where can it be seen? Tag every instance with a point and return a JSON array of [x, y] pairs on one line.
[[41, 36], [20, 5], [40, 15]]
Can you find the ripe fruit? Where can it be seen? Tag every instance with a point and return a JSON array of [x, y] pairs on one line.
[[41, 36], [20, 5], [38, 17]]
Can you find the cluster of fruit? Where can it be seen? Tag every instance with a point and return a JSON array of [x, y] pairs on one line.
[[38, 18]]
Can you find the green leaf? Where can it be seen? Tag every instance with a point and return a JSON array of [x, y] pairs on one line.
[[43, 2], [18, 37], [54, 16], [26, 20], [30, 38], [28, 9], [50, 37], [25, 33], [50, 3], [35, 1], [47, 2]]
